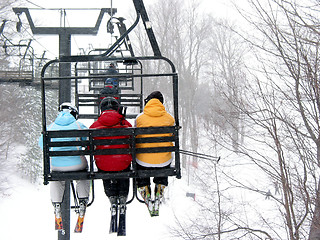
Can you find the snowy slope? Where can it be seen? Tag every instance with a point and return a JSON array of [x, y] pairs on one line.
[[28, 214]]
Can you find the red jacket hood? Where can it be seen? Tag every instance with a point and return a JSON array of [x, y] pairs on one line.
[[109, 119]]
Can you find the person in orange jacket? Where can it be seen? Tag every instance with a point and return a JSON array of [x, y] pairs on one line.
[[154, 115]]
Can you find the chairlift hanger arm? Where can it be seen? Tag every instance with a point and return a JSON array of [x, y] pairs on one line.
[[122, 29], [28, 46], [146, 22], [106, 53], [141, 12]]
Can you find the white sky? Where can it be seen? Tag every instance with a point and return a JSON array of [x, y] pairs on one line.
[[46, 18], [75, 18]]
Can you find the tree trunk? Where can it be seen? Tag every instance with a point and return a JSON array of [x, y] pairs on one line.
[[315, 225]]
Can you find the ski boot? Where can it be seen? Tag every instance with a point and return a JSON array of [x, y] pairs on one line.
[[145, 194], [122, 216], [58, 216], [83, 202], [158, 192], [122, 204], [114, 214]]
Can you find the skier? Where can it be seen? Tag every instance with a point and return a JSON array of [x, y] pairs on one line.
[[112, 71], [109, 90], [111, 86], [113, 116], [153, 115], [67, 120]]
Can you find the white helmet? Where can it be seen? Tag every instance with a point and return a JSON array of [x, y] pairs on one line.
[[72, 109]]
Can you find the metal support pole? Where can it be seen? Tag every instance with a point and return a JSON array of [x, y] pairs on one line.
[[65, 96], [64, 68], [65, 208], [64, 85]]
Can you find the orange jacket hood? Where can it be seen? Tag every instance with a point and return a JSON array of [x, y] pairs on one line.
[[154, 108]]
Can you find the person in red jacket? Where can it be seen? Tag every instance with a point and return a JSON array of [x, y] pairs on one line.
[[112, 116]]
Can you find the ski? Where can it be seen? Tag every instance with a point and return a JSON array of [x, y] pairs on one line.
[[58, 217], [114, 219], [156, 206], [79, 224], [146, 196], [150, 205], [122, 221], [58, 223], [157, 201], [82, 210]]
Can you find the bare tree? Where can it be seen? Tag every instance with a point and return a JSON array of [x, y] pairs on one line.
[[182, 32], [227, 77], [222, 212], [285, 105], [281, 110]]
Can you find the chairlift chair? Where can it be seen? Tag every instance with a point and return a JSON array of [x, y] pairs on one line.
[[87, 147]]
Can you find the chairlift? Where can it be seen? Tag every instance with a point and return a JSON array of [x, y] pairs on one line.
[[130, 100], [134, 101]]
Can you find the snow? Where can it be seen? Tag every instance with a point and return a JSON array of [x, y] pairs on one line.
[[28, 214]]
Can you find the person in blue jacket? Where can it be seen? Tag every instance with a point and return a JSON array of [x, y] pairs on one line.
[[67, 120], [112, 71]]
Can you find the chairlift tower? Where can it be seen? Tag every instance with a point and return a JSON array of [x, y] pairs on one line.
[[64, 70], [64, 43]]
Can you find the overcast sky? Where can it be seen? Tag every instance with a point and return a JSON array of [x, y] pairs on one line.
[[88, 18]]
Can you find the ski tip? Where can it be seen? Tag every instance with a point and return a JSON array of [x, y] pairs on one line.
[[121, 233], [113, 226], [62, 231], [154, 214], [112, 231], [79, 225], [58, 224], [77, 230]]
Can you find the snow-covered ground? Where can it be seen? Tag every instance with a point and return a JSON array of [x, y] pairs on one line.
[[28, 214]]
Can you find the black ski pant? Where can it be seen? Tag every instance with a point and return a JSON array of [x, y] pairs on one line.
[[117, 187], [141, 182]]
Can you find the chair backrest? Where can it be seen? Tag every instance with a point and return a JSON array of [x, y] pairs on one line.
[[94, 138]]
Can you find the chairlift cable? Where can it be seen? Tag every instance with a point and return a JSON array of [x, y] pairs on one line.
[[73, 9], [35, 4], [31, 37], [68, 24], [37, 41], [7, 39], [111, 6]]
